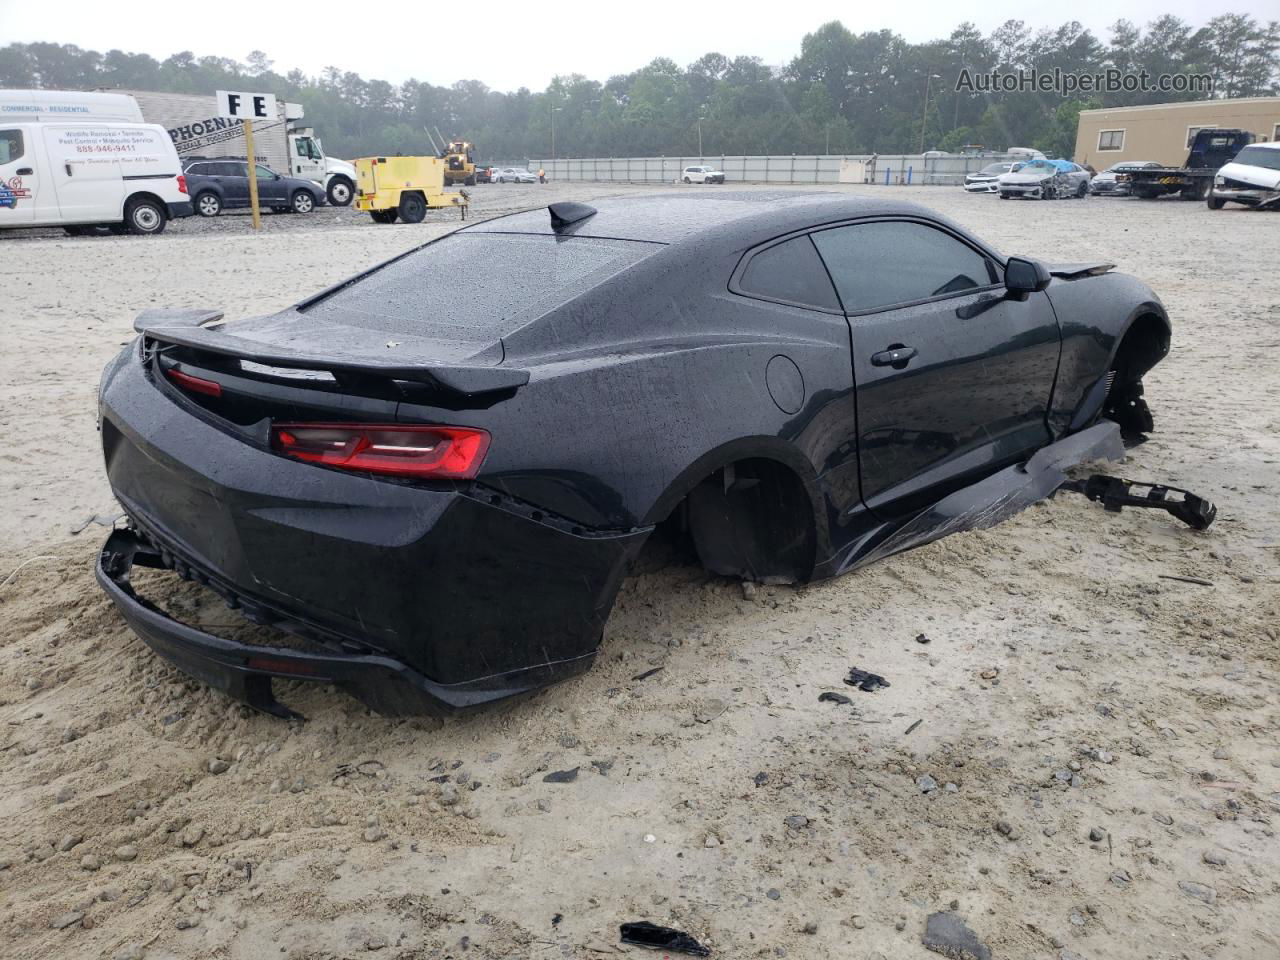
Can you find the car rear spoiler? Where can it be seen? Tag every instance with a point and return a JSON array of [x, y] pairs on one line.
[[203, 330], [1078, 271]]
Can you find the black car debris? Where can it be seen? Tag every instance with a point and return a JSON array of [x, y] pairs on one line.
[[436, 474]]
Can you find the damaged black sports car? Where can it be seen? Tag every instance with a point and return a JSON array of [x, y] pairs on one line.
[[436, 474]]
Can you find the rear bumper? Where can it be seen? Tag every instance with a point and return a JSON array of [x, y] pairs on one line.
[[451, 591], [182, 208], [245, 671]]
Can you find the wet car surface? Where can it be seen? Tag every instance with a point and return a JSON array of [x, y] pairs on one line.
[[437, 473]]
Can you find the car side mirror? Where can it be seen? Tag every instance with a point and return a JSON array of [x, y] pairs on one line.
[[1023, 277]]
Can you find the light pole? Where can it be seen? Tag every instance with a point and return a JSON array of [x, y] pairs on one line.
[[924, 116], [554, 111], [700, 119]]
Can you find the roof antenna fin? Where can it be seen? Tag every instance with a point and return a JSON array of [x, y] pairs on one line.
[[567, 213]]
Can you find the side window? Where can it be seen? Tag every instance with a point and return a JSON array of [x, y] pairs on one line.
[[887, 262], [199, 169], [789, 271], [233, 169], [264, 173], [10, 145]]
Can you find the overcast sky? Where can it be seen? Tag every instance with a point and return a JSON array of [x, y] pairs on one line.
[[513, 43]]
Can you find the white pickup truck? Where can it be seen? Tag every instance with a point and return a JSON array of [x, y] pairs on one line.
[[281, 144]]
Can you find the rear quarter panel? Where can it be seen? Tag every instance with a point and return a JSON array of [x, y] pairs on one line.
[[642, 387]]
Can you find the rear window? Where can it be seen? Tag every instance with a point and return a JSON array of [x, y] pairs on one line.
[[476, 287], [792, 272]]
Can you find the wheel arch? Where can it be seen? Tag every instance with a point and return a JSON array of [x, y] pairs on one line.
[[1143, 341], [144, 195], [790, 536]]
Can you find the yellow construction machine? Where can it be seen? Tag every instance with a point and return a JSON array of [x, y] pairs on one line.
[[404, 188], [460, 162]]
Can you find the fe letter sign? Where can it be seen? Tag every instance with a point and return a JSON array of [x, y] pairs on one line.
[[246, 106]]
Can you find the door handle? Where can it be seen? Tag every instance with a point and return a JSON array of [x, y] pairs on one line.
[[67, 166], [897, 356], [25, 171]]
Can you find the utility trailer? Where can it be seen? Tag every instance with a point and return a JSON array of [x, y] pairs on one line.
[[281, 143], [404, 188], [1211, 149]]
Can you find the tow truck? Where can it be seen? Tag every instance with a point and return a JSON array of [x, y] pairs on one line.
[[1211, 149]]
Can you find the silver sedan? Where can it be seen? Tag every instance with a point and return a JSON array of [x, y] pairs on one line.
[[1042, 179]]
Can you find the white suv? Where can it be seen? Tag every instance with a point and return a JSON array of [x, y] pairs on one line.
[[702, 174], [1251, 179]]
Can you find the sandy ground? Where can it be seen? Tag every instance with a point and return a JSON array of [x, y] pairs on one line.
[[1067, 687]]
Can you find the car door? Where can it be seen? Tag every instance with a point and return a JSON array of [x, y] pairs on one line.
[[271, 188], [84, 172], [308, 160], [235, 182], [952, 380], [19, 183]]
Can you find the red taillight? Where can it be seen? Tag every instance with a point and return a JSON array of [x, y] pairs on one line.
[[182, 183], [195, 384], [405, 450]]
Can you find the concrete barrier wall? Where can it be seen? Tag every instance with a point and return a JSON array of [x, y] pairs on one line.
[[795, 169]]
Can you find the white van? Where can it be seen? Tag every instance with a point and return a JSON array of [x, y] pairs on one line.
[[1251, 179], [80, 160]]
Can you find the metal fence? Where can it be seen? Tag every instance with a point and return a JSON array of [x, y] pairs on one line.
[[792, 168]]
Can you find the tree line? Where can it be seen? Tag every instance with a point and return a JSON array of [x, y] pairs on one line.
[[870, 92]]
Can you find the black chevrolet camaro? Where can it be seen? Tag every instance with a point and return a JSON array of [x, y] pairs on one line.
[[435, 475]]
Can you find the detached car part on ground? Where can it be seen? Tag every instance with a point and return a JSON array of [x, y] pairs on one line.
[[1042, 179], [437, 474]]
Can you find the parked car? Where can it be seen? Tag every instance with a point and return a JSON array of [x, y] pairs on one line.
[[1251, 179], [1107, 183], [515, 175], [702, 174], [441, 504], [1044, 179], [218, 184], [984, 180], [87, 163], [484, 174]]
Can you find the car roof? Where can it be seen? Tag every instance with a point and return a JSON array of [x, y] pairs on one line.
[[1267, 144], [734, 217]]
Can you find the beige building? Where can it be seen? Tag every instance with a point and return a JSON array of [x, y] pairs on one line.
[[1162, 132]]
